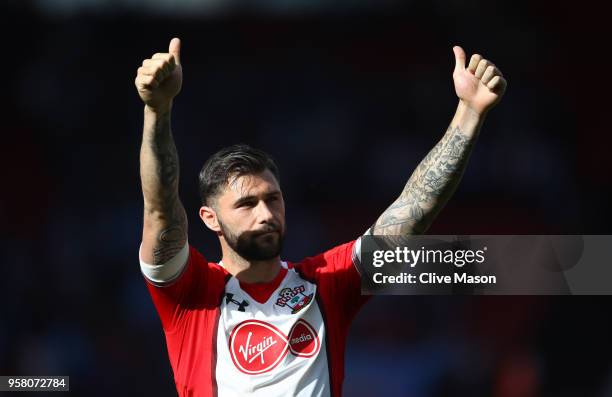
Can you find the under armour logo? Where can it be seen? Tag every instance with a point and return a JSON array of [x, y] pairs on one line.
[[241, 305]]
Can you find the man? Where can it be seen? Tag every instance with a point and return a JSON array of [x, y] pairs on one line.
[[253, 324]]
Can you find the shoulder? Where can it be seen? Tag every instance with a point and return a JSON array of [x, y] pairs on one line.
[[334, 259]]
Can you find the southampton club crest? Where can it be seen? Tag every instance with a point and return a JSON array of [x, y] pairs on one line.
[[294, 298]]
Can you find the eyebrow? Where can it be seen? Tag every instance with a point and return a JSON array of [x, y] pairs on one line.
[[244, 199]]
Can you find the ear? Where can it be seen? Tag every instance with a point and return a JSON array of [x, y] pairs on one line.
[[209, 217]]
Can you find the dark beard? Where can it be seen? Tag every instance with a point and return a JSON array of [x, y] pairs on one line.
[[252, 247]]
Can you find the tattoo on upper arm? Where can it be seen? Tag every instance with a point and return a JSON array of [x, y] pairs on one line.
[[430, 185]]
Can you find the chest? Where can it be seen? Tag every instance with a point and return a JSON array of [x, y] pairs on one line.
[[261, 335]]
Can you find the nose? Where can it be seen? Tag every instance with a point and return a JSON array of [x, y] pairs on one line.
[[264, 214]]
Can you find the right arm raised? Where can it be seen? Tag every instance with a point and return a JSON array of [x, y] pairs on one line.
[[164, 234]]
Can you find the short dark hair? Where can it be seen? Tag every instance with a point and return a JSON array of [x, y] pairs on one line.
[[231, 162]]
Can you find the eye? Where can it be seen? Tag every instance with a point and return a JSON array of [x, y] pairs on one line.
[[246, 204], [273, 199]]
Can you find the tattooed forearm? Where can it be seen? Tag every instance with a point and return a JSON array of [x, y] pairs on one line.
[[429, 187], [158, 154], [165, 218]]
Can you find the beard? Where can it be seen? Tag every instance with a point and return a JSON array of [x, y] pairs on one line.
[[259, 245]]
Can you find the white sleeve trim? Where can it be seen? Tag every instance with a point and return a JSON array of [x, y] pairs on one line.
[[166, 272], [357, 252]]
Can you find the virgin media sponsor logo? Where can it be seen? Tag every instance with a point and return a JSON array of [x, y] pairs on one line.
[[303, 340], [257, 347]]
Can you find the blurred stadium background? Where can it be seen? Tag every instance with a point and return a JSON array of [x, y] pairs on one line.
[[348, 96]]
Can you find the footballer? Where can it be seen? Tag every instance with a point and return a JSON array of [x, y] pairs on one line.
[[254, 324]]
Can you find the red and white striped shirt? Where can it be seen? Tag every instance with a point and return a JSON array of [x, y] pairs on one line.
[[282, 338]]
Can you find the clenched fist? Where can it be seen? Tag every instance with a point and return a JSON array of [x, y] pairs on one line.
[[160, 77], [481, 85]]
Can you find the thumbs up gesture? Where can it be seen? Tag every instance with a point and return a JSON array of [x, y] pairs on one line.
[[160, 78], [481, 85]]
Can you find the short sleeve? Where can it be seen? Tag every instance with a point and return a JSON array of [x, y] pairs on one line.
[[339, 284], [199, 285]]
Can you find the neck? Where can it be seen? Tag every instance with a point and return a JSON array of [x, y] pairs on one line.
[[250, 271]]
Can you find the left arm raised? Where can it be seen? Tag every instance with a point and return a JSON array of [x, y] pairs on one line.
[[479, 87]]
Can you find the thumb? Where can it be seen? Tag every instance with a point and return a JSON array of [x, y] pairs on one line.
[[175, 49], [459, 58]]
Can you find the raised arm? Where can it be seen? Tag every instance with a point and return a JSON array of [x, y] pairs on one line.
[[479, 87], [158, 81]]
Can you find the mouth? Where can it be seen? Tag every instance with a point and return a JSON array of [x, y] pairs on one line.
[[267, 233]]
